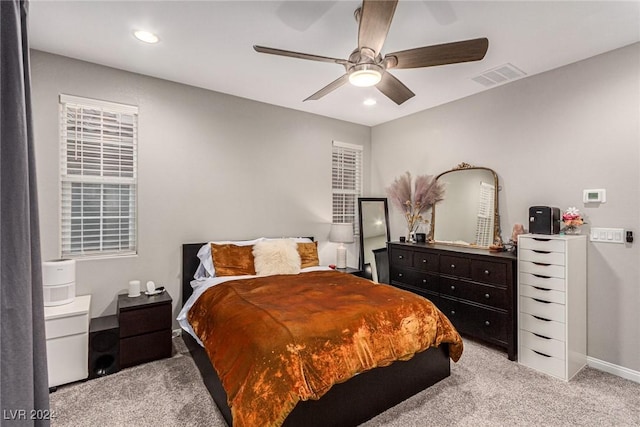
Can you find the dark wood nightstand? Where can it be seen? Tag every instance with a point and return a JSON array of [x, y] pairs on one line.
[[145, 328]]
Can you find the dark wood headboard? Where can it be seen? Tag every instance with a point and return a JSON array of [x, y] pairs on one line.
[[190, 262]]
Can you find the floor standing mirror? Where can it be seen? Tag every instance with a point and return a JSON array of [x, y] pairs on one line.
[[373, 216]]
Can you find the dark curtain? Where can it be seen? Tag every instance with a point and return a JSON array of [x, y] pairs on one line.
[[24, 385]]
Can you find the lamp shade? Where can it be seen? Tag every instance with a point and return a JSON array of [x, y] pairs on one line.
[[341, 233]]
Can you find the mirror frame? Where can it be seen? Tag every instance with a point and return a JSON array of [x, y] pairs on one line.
[[386, 218], [497, 240]]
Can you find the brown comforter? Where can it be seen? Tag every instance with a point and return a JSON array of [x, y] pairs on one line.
[[277, 340]]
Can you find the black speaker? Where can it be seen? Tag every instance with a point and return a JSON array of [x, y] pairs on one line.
[[104, 346]]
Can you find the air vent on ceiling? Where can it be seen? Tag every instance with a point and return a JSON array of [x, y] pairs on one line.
[[499, 75]]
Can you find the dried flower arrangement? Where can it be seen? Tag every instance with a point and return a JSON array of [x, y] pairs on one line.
[[572, 221], [427, 192]]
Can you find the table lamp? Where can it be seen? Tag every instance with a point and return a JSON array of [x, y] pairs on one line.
[[341, 233]]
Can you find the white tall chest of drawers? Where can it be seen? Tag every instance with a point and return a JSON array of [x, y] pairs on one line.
[[552, 300]]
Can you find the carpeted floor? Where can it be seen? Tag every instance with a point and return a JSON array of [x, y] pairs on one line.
[[484, 389]]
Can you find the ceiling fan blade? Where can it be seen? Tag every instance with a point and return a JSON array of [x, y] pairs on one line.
[[375, 20], [394, 89], [441, 54], [329, 88], [298, 55]]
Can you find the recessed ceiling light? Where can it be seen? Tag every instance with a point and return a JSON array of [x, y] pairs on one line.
[[369, 102], [146, 36]]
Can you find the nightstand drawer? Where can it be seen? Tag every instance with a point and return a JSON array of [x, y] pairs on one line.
[[542, 257], [542, 294], [64, 326], [547, 328], [554, 283], [541, 244], [145, 348], [142, 321]]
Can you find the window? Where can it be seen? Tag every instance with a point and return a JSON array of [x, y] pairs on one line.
[[98, 174], [346, 182]]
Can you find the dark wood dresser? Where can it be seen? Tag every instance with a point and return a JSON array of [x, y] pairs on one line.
[[145, 328], [475, 288]]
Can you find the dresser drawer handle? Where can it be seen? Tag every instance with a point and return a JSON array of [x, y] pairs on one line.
[[400, 257], [453, 288], [541, 252], [424, 280], [541, 336], [542, 264], [541, 354], [542, 318], [541, 240], [400, 274], [542, 277], [541, 289], [453, 312], [487, 296], [453, 266], [424, 261], [487, 272], [542, 301], [487, 323]]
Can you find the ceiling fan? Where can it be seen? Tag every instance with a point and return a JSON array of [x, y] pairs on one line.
[[367, 67]]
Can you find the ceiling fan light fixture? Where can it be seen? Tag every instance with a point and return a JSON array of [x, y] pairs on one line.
[[365, 75]]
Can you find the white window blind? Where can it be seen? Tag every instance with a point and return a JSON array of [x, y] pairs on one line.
[[346, 182], [484, 226], [98, 177]]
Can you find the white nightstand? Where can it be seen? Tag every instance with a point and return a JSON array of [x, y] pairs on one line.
[[67, 331]]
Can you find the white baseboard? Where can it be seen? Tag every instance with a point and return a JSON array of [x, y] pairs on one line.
[[620, 371]]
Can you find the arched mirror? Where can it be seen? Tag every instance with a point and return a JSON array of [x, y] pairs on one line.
[[468, 215], [374, 234]]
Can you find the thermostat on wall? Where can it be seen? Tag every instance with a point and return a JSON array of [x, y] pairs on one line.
[[594, 196]]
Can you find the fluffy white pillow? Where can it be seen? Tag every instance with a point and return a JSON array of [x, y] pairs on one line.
[[276, 257]]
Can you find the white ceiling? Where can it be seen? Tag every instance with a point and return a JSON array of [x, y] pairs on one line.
[[209, 44]]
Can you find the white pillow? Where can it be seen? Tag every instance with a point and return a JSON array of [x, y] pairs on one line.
[[206, 268], [278, 256]]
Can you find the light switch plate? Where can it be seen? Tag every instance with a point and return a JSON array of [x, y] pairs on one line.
[[607, 235]]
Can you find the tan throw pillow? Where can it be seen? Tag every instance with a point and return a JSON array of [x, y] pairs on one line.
[[308, 254], [276, 257], [232, 260]]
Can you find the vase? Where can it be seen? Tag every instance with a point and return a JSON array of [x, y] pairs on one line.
[[571, 230]]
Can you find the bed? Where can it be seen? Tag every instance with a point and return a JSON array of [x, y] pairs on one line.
[[347, 403]]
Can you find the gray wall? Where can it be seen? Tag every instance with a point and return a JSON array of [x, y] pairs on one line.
[[548, 137], [211, 166]]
